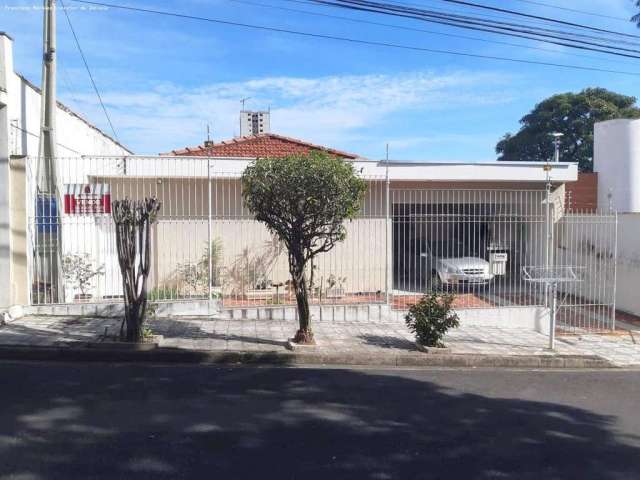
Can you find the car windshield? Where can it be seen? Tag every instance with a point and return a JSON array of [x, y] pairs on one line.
[[448, 249]]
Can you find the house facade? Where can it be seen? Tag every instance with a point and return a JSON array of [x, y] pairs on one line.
[[19, 139], [469, 228]]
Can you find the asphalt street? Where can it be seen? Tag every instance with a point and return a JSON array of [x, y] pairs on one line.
[[100, 421]]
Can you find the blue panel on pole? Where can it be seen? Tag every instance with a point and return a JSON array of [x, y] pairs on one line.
[[46, 214]]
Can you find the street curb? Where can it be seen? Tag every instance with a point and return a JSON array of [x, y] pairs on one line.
[[176, 355]]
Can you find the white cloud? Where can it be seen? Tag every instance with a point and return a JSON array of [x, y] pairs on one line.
[[328, 110]]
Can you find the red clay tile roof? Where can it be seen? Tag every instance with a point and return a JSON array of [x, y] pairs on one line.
[[262, 145]]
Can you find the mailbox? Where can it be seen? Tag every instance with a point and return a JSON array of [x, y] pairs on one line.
[[498, 263]]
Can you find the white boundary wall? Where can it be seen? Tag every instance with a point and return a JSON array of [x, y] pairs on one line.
[[628, 264], [19, 137]]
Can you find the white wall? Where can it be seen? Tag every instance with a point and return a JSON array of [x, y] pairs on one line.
[[617, 161], [628, 265], [19, 127]]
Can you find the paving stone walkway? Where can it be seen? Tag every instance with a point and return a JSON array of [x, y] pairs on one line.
[[333, 337]]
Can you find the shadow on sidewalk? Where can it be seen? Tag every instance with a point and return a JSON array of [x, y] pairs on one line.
[[177, 329]]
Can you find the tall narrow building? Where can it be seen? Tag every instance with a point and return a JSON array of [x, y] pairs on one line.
[[254, 123]]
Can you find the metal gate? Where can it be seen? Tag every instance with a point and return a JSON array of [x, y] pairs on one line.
[[475, 243], [406, 241], [588, 242]]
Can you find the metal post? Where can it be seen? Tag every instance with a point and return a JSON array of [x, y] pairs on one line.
[[209, 235], [387, 293], [615, 270], [547, 247], [552, 316], [551, 297]]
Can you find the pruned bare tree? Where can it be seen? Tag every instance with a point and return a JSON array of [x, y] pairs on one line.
[[133, 221]]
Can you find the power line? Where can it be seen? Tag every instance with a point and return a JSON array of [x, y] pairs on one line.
[[67, 81], [416, 14], [458, 16], [539, 17], [412, 29], [485, 16], [86, 66], [472, 23], [574, 10], [355, 41]]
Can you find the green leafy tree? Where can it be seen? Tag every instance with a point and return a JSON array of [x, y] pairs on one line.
[[572, 114], [304, 201], [636, 18]]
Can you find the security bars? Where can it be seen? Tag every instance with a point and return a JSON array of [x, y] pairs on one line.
[[409, 238]]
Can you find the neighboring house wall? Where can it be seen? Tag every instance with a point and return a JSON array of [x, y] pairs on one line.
[[617, 164], [616, 159], [582, 195], [628, 272], [19, 138]]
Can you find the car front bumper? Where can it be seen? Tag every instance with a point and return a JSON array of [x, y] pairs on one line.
[[465, 278]]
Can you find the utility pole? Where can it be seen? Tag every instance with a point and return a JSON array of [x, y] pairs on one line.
[[47, 147], [47, 215]]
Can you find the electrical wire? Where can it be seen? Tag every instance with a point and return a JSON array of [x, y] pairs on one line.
[[86, 66], [573, 10], [539, 17], [353, 40], [471, 23], [412, 29]]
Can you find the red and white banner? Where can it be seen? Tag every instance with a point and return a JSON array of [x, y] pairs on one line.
[[87, 199]]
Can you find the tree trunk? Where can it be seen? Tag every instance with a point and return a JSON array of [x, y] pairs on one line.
[[133, 222], [304, 334]]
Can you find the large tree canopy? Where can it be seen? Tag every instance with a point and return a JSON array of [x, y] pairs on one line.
[[572, 114], [303, 200]]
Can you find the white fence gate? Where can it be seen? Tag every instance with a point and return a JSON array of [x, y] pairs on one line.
[[208, 247]]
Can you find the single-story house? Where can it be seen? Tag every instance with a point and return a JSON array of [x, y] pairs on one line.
[[468, 227]]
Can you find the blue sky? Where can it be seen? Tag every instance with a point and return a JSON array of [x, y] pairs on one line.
[[163, 79]]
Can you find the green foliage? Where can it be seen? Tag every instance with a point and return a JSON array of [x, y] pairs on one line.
[[303, 200], [431, 318], [572, 114]]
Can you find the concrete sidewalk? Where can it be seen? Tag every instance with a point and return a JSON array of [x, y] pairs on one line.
[[374, 343]]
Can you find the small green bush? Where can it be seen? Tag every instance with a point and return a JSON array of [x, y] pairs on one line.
[[431, 317]]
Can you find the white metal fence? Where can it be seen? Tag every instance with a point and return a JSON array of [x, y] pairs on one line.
[[406, 241]]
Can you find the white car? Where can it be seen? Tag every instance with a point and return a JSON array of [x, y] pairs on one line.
[[450, 266]]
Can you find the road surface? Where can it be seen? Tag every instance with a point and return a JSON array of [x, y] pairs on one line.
[[98, 421]]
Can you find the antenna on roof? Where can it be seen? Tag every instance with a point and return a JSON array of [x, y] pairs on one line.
[[208, 143], [208, 134], [243, 100]]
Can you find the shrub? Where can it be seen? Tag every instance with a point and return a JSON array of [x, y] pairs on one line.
[[431, 317], [79, 272]]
